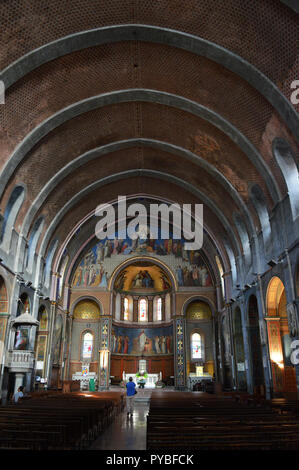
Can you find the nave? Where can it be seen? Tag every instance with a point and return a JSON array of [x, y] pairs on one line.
[[169, 421]]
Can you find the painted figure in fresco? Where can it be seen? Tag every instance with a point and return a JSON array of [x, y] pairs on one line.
[[126, 344], [142, 340], [163, 344], [119, 343], [104, 281], [137, 281], [180, 277], [113, 341], [165, 282], [100, 253], [157, 344], [147, 280], [168, 344], [78, 277], [148, 345], [120, 281], [21, 341]]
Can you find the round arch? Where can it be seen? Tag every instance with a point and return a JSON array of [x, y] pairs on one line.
[[199, 298], [89, 298], [126, 263], [171, 37], [279, 338], [275, 295]]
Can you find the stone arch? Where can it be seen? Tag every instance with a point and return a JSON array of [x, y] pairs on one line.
[[155, 261], [33, 241], [258, 200], [133, 95], [244, 237], [279, 338], [287, 163], [12, 208], [188, 42], [87, 298], [198, 298]]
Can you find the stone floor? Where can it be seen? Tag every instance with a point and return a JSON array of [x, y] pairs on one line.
[[125, 433], [128, 433]]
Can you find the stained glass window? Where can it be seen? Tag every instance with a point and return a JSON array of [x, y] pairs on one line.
[[196, 346], [159, 309], [87, 346], [142, 310], [126, 309]]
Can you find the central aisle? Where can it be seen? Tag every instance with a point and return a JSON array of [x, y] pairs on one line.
[[125, 433]]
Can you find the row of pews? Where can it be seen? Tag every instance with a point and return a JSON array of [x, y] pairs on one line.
[[58, 421], [198, 421]]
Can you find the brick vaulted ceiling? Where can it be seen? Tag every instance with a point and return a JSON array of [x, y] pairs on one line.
[[173, 98]]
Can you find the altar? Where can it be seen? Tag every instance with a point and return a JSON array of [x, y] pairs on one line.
[[150, 380], [194, 379], [84, 379]]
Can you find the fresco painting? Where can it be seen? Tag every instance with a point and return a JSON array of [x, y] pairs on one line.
[[146, 341], [190, 272]]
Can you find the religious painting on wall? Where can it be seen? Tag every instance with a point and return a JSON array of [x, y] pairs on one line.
[[147, 341], [2, 328], [96, 266], [22, 338], [41, 348], [57, 339]]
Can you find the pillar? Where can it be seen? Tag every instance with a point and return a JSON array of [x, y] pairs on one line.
[[122, 307], [150, 300], [179, 353], [135, 308], [104, 352], [163, 308], [19, 379]]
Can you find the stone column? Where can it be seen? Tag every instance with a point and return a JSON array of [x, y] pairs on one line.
[[49, 344], [122, 308], [150, 300], [19, 379], [163, 307], [104, 352], [69, 348], [232, 346], [179, 353], [135, 308]]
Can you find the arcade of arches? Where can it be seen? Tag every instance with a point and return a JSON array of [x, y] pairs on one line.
[[164, 107]]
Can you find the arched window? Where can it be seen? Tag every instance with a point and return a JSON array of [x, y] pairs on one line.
[[126, 309], [87, 346], [196, 346], [142, 314], [159, 309]]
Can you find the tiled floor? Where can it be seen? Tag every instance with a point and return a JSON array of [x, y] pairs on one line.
[[125, 433]]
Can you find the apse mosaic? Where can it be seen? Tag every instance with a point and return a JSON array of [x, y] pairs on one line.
[[147, 341], [97, 265]]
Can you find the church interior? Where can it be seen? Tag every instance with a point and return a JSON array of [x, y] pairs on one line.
[[162, 102]]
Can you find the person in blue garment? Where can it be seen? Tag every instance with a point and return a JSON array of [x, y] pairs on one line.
[[131, 390]]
